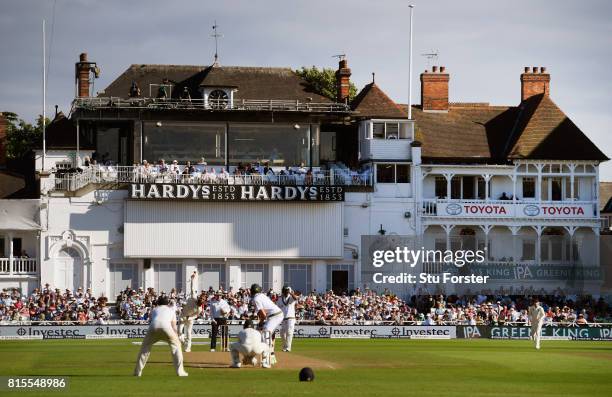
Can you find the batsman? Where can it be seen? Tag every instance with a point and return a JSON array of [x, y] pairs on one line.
[[287, 303], [270, 317]]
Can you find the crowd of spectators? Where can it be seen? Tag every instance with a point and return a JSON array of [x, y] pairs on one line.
[[47, 304], [358, 307]]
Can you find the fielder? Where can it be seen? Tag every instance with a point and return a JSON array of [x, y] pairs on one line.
[[270, 317], [536, 316], [162, 327], [287, 304], [190, 311], [249, 345]]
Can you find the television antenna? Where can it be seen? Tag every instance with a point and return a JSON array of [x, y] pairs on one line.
[[431, 56], [339, 56], [216, 35]]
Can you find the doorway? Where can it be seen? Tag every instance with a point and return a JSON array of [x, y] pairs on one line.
[[68, 270], [340, 281]]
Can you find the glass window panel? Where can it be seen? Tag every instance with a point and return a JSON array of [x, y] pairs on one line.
[[556, 192], [456, 187], [107, 145], [278, 145], [184, 142], [528, 250], [528, 187], [403, 173], [378, 130], [392, 131], [441, 187], [385, 173]]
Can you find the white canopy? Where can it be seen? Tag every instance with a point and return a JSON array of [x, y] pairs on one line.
[[19, 214]]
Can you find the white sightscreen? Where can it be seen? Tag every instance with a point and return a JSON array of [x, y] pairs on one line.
[[185, 229]]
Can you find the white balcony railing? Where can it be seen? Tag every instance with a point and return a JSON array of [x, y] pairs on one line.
[[204, 175], [21, 266], [196, 104], [509, 209]]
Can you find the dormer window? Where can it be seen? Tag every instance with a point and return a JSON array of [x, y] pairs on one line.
[[218, 99], [388, 130]]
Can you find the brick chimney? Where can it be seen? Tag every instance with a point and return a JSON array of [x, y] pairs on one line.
[[434, 89], [343, 82], [534, 81], [83, 67]]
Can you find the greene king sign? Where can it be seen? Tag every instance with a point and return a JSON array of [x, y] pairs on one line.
[[180, 191]]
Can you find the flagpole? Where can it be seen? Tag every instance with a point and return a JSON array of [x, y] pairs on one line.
[[410, 68], [44, 100]]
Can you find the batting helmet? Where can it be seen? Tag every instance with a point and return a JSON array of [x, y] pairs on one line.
[[306, 375], [255, 289]]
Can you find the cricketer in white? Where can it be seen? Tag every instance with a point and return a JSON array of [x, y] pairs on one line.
[[270, 317], [249, 345], [162, 327], [536, 318], [190, 311], [287, 303]]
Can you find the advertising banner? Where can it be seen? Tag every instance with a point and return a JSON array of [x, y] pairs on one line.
[[522, 332]]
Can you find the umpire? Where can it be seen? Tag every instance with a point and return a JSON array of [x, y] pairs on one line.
[[219, 309]]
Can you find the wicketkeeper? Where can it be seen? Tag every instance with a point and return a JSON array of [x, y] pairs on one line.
[[249, 345], [536, 316]]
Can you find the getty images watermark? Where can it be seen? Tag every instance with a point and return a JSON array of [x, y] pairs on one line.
[[404, 256]]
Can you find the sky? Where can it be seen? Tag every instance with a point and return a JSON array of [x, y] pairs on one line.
[[483, 44]]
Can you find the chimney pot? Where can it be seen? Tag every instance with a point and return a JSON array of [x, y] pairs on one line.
[[442, 69], [535, 83], [434, 69], [83, 57], [434, 90]]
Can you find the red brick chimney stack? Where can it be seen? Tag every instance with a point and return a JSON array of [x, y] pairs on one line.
[[343, 81], [82, 76], [434, 89], [534, 81]]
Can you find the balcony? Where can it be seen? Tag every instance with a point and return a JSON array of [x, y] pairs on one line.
[[444, 208], [21, 266], [118, 175], [277, 105]]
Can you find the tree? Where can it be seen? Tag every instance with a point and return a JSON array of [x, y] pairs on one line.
[[323, 81], [21, 136]]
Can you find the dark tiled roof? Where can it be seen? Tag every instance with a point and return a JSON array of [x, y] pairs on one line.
[[607, 209], [372, 102], [543, 131], [605, 195], [61, 134], [250, 82]]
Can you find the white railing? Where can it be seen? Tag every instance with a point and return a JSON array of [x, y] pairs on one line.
[[208, 175], [210, 104], [457, 208], [20, 266]]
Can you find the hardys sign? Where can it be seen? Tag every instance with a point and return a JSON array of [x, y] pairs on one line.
[[184, 191]]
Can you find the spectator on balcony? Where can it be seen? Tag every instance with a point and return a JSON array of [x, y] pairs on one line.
[[174, 168], [24, 254], [162, 166], [504, 197], [202, 161], [134, 90]]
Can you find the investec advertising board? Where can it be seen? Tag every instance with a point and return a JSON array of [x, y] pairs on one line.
[[204, 330], [249, 193]]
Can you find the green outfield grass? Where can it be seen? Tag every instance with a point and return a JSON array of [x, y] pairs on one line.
[[365, 368]]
